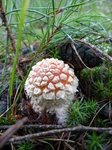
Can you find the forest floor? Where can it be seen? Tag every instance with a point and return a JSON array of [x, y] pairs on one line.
[[82, 38]]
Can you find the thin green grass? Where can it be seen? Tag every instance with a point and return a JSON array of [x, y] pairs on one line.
[[68, 17], [23, 13]]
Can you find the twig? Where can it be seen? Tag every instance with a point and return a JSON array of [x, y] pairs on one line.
[[95, 48], [67, 139], [4, 20], [60, 141], [97, 113], [15, 98], [45, 142], [71, 148], [7, 102], [35, 126], [5, 112], [9, 132], [56, 131], [72, 45]]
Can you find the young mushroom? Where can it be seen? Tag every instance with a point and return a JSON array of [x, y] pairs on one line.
[[51, 85]]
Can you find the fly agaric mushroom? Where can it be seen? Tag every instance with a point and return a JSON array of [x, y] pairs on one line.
[[51, 84]]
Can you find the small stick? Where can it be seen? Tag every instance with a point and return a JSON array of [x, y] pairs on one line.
[[4, 21], [57, 131], [60, 141], [34, 126], [66, 144], [9, 132], [72, 45], [5, 112], [15, 98]]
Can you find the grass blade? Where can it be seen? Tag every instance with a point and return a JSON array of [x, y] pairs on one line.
[[23, 13]]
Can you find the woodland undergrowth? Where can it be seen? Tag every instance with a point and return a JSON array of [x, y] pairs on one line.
[[28, 30]]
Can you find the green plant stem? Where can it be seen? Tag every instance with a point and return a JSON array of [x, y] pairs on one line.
[[23, 13]]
